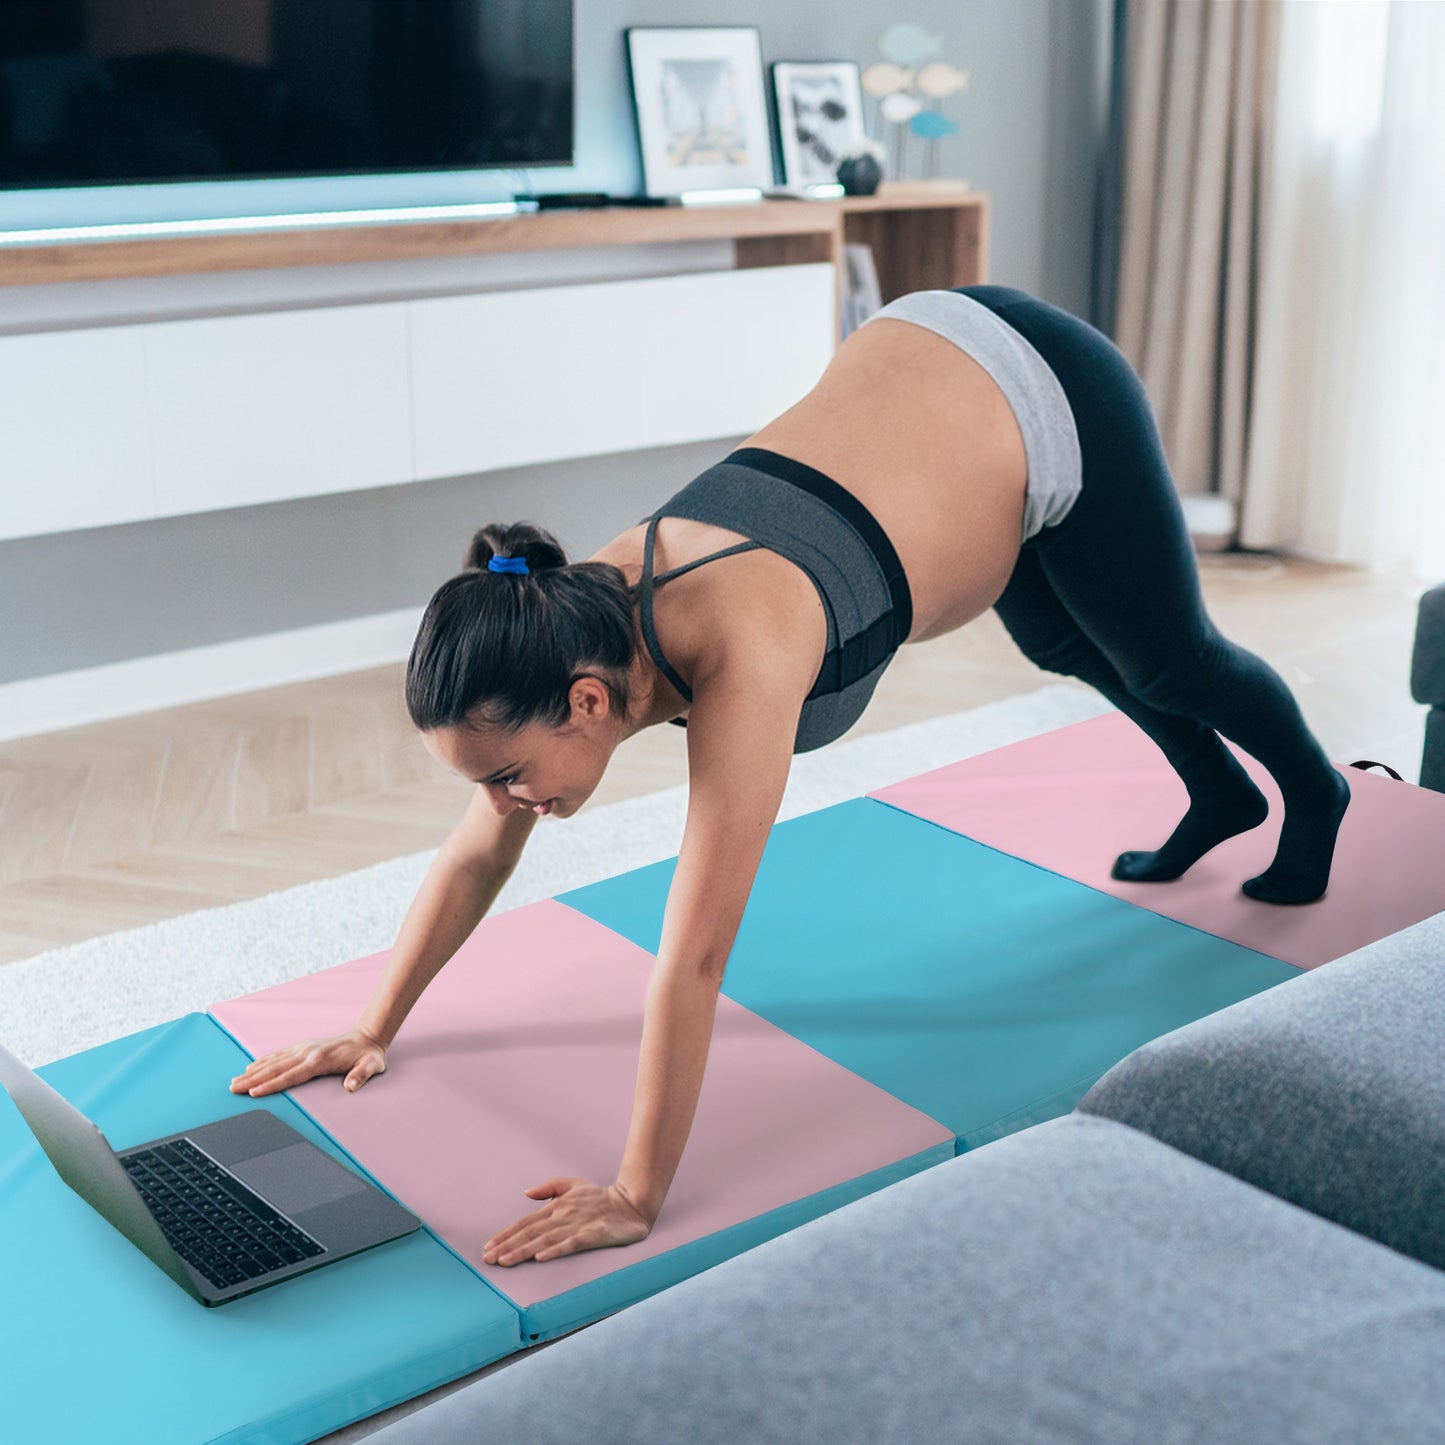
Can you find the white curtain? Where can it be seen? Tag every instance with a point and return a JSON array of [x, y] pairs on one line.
[[1196, 79], [1347, 439]]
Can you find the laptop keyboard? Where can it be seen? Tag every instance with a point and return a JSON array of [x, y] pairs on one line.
[[218, 1226]]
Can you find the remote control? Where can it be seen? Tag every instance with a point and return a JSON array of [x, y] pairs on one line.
[[566, 201]]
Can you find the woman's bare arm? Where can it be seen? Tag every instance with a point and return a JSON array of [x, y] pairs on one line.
[[466, 876], [463, 882], [740, 740], [740, 745]]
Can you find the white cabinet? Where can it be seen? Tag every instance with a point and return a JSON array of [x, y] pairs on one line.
[[248, 409], [531, 376], [722, 354], [516, 377], [125, 423], [74, 438]]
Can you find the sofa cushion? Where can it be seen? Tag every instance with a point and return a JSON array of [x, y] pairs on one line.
[[1327, 1092], [1074, 1282]]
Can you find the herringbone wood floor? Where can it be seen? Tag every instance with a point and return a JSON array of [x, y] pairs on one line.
[[128, 822]]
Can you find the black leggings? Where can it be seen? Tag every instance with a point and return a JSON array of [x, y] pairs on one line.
[[1111, 594]]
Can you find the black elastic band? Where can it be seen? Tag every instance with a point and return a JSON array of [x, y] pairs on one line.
[[1365, 764], [856, 657]]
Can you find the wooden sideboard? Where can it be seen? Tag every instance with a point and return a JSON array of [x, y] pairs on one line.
[[923, 234], [129, 421]]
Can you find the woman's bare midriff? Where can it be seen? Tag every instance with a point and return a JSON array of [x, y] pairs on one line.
[[921, 434]]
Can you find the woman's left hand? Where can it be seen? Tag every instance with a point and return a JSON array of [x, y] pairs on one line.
[[577, 1216]]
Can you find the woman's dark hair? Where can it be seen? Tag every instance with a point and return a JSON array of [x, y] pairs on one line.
[[508, 646]]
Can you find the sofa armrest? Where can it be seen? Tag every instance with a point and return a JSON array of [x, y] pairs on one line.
[[1326, 1091]]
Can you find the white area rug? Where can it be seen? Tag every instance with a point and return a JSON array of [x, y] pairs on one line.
[[73, 998]]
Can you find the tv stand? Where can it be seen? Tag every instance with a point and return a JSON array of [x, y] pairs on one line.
[[924, 234], [210, 411]]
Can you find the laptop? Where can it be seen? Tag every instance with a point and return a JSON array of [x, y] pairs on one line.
[[224, 1209]]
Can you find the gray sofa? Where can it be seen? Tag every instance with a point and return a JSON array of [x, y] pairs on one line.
[[1239, 1235], [1427, 684]]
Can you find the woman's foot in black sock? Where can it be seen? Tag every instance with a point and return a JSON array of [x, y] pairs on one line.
[[1219, 814], [1300, 872]]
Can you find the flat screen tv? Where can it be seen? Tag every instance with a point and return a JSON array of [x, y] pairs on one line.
[[114, 92]]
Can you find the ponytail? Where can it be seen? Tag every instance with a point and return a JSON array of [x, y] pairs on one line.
[[506, 642]]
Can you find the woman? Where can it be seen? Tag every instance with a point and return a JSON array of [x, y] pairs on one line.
[[964, 450]]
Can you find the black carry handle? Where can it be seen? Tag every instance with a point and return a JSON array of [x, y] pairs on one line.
[[1365, 763]]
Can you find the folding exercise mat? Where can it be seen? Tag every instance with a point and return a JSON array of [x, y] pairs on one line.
[[916, 973], [98, 1344], [519, 1063], [982, 990], [1072, 800]]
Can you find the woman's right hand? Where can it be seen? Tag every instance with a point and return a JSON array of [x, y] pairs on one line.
[[356, 1053]]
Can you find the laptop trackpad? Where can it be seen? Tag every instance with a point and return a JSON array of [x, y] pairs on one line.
[[297, 1178]]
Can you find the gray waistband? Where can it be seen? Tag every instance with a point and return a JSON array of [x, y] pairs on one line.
[[1051, 440]]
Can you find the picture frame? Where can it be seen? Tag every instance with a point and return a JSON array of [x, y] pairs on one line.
[[700, 102], [820, 117]]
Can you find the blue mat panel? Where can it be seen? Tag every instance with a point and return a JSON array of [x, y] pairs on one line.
[[99, 1345], [980, 989]]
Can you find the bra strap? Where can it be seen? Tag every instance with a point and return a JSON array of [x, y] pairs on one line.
[[711, 557], [649, 629]]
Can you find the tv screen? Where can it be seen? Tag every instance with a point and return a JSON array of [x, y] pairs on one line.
[[110, 92]]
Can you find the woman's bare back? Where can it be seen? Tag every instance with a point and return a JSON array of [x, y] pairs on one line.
[[923, 437]]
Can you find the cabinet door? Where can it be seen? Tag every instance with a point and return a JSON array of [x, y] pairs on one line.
[[724, 352], [249, 409], [517, 377], [74, 444]]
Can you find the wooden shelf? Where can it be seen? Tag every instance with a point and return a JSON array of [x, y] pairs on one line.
[[191, 413], [924, 234]]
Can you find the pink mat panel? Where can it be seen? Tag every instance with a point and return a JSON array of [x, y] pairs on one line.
[[1072, 800], [519, 1062]]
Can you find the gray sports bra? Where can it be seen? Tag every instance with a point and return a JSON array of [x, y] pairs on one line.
[[805, 516]]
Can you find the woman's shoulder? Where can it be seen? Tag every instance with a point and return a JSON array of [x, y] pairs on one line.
[[624, 552], [749, 615], [751, 619]]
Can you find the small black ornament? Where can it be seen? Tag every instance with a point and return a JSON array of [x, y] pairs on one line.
[[860, 175]]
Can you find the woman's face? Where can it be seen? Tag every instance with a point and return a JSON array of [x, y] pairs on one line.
[[550, 770]]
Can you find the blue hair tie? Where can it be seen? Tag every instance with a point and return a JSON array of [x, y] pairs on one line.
[[515, 565]]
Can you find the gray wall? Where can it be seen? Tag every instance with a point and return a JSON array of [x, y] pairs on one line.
[[1031, 135]]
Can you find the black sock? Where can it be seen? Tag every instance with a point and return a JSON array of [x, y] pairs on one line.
[[1213, 816], [1300, 872]]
